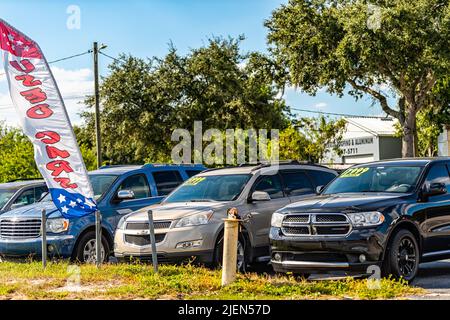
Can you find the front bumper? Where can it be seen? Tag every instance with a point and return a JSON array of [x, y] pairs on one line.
[[355, 252], [166, 246], [57, 246]]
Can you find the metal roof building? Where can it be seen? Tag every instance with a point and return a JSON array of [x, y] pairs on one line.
[[367, 139]]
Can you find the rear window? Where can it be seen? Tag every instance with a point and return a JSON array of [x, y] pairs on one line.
[[321, 178], [166, 181]]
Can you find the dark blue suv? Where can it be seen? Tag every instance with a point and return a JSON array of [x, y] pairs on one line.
[[119, 190]]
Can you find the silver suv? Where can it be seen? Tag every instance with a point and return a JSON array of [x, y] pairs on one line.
[[189, 222]]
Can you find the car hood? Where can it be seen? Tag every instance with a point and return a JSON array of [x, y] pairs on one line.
[[33, 210], [173, 211], [346, 202]]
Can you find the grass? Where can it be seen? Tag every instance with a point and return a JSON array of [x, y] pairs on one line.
[[137, 281]]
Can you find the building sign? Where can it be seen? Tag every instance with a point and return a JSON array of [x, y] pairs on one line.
[[357, 146]]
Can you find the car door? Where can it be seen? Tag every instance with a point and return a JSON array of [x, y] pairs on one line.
[[297, 184], [138, 183], [437, 222], [261, 211]]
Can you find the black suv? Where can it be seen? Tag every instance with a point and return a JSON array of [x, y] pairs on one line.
[[392, 214]]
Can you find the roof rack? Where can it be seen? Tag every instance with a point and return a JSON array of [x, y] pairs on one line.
[[24, 179], [287, 162], [193, 165], [106, 166]]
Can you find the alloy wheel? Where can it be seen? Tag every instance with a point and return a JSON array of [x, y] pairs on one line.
[[89, 252], [406, 257]]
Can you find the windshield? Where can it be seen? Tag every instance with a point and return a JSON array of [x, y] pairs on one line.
[[5, 195], [210, 188], [100, 184], [399, 179]]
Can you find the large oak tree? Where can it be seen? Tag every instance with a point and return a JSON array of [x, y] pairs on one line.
[[363, 47]]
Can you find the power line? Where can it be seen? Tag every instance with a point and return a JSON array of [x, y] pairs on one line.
[[62, 59], [338, 114], [108, 56]]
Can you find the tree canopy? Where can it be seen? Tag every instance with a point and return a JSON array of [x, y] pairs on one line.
[[145, 100], [362, 47]]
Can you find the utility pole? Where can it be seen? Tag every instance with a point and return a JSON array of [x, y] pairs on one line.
[[98, 138]]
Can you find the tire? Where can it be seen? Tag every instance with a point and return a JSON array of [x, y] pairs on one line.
[[242, 253], [402, 256], [83, 252]]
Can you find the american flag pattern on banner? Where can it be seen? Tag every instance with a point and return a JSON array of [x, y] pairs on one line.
[[44, 120]]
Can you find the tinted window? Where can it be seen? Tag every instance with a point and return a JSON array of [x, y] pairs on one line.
[[5, 196], [191, 173], [297, 183], [438, 174], [39, 191], [321, 178], [166, 181], [138, 184], [271, 185], [25, 198]]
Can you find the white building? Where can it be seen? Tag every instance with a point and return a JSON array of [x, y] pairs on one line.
[[367, 139], [444, 142]]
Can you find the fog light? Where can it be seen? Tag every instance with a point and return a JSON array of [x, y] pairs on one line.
[[50, 248], [277, 257], [362, 258], [188, 244]]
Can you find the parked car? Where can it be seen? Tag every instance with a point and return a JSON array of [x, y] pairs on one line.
[[189, 222], [388, 214], [20, 193], [118, 190]]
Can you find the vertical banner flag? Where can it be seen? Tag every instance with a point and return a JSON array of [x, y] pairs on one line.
[[44, 120]]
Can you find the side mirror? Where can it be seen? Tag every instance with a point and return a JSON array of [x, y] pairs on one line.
[[319, 189], [260, 196], [434, 189], [125, 195]]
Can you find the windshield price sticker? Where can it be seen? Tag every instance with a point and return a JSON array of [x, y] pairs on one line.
[[194, 181], [356, 172]]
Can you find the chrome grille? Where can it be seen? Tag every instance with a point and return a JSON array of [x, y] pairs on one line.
[[20, 229], [143, 240], [145, 225], [316, 224]]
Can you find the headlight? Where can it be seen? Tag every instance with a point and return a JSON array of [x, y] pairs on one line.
[[195, 219], [277, 219], [121, 222], [366, 219], [57, 225]]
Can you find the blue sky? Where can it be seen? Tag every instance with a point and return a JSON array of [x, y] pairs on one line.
[[144, 28]]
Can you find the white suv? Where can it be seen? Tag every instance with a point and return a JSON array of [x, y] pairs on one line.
[[189, 222]]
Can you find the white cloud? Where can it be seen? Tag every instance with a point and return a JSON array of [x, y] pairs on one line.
[[321, 105], [74, 86]]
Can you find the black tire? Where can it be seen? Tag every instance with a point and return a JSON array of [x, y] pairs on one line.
[[218, 253], [402, 256], [82, 245]]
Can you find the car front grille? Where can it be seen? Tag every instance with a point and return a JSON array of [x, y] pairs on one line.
[[143, 240], [316, 224], [145, 225], [20, 228]]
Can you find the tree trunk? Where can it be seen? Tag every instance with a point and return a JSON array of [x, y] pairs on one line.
[[409, 141]]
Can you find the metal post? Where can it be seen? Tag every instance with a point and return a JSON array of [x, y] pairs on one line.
[[97, 106], [98, 238], [44, 238], [151, 229], [230, 240]]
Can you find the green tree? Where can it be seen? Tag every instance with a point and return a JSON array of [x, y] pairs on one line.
[[16, 156], [364, 45], [145, 100], [311, 139]]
